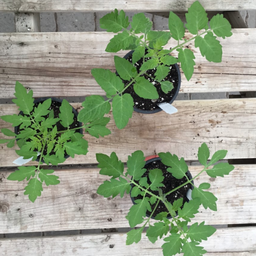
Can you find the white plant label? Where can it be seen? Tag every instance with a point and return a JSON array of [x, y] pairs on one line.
[[20, 161], [189, 194], [168, 108]]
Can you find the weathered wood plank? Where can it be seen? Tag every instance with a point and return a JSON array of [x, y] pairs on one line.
[[223, 124], [74, 204], [131, 5], [59, 64], [109, 244]]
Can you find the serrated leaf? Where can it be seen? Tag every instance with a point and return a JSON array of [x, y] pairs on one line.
[[158, 230], [98, 130], [203, 154], [23, 172], [155, 177], [25, 153], [177, 204], [48, 179], [122, 109], [138, 54], [196, 18], [124, 68], [220, 26], [26, 133], [42, 109], [114, 21], [176, 26], [110, 165], [135, 164], [66, 114], [177, 167], [8, 132], [186, 58], [33, 189], [73, 148], [166, 86], [49, 122], [114, 187], [189, 209], [220, 170], [135, 191], [168, 60], [210, 47], [23, 100], [11, 143], [172, 246], [95, 107], [144, 182], [145, 89], [16, 120], [101, 121], [192, 249], [149, 64], [207, 199], [200, 232], [53, 159], [134, 236], [108, 81], [152, 239], [218, 155], [157, 39], [161, 72], [140, 23]]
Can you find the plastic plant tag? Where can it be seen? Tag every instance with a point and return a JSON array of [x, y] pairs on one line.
[[168, 108], [20, 161], [189, 194]]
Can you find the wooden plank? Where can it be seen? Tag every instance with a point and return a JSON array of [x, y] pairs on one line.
[[223, 124], [74, 204], [236, 20], [27, 22], [131, 5], [225, 242], [60, 64]]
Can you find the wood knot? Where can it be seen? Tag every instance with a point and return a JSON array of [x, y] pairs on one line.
[[4, 206]]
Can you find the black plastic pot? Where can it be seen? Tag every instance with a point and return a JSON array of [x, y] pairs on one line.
[[157, 159], [58, 101], [173, 94]]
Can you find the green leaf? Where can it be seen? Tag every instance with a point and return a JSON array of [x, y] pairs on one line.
[[166, 86], [24, 100], [152, 239], [203, 154], [161, 216], [177, 168], [53, 159], [8, 132], [137, 212], [25, 153], [98, 130], [11, 143], [200, 232], [220, 170], [210, 47], [218, 155], [140, 23], [114, 21], [16, 120], [157, 39], [192, 249], [73, 148], [173, 245], [49, 122], [205, 185], [23, 172], [48, 179], [26, 133], [42, 109], [161, 72], [134, 236], [196, 18], [33, 189], [110, 166], [135, 191], [2, 141], [66, 114], [156, 177], [220, 26], [177, 204], [124, 68], [176, 26], [158, 230], [138, 54], [122, 109], [145, 89], [135, 164], [168, 60], [144, 182], [114, 187], [103, 121], [189, 209], [108, 81], [207, 199], [186, 58], [95, 107], [149, 64]]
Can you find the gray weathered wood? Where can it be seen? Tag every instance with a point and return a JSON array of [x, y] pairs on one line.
[[27, 22], [235, 19], [74, 204], [109, 244]]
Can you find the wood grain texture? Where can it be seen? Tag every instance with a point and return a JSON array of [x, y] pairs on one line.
[[59, 64], [223, 124], [74, 204], [131, 5], [221, 243]]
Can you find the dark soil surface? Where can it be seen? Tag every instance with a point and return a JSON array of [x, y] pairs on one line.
[[169, 184], [147, 104]]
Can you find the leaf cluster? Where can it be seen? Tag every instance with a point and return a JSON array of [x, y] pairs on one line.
[[49, 136], [178, 237]]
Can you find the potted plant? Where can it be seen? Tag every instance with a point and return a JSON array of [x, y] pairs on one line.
[[161, 189], [49, 131], [149, 74]]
